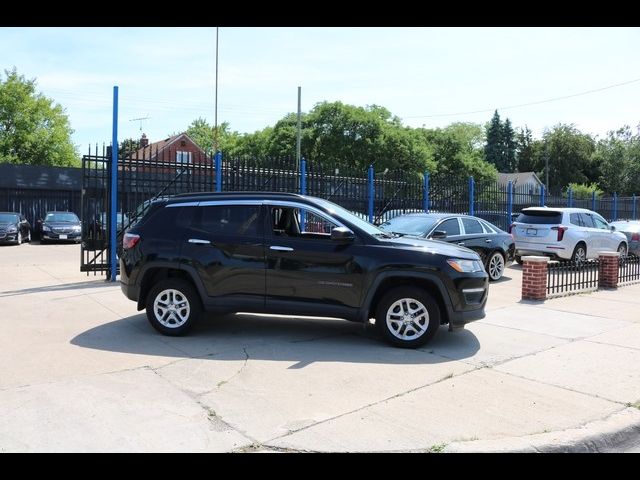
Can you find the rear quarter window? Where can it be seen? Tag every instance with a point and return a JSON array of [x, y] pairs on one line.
[[540, 218]]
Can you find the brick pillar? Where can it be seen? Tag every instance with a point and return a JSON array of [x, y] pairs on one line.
[[534, 278], [608, 272]]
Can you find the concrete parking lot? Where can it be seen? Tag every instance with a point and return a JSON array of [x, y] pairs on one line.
[[84, 371]]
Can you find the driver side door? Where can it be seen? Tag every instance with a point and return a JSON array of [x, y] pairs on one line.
[[307, 272]]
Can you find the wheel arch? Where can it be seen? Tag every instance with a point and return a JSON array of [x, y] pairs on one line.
[[155, 273], [390, 280]]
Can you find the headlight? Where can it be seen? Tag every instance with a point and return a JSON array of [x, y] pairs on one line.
[[76, 228], [466, 266], [46, 228], [12, 229]]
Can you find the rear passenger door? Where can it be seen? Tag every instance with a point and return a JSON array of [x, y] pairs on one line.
[[474, 237], [225, 244]]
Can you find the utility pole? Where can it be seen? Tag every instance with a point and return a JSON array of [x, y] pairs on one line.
[[546, 167], [215, 124], [299, 126]]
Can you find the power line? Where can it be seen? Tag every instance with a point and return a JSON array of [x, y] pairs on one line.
[[587, 92]]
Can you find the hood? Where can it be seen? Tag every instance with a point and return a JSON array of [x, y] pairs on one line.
[[10, 224], [435, 246]]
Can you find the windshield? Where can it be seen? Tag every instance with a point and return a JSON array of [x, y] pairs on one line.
[[8, 218], [62, 217], [350, 217], [409, 225]]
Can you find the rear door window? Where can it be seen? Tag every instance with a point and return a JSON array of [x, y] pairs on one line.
[[227, 219], [471, 226], [587, 220], [540, 218]]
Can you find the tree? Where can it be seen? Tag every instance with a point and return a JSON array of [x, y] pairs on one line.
[[617, 158], [128, 146], [528, 152], [493, 150], [203, 134], [509, 148], [569, 152], [457, 152], [33, 130], [581, 191]]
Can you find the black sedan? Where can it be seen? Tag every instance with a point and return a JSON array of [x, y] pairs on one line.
[[14, 228], [61, 226], [495, 247]]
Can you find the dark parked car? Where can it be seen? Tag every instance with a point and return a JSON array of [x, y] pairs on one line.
[[631, 228], [252, 252], [495, 247], [60, 226], [98, 227], [14, 228]]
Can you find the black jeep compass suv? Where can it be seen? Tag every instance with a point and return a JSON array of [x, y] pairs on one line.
[[283, 253]]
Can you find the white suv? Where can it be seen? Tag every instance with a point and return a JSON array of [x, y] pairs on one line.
[[564, 233]]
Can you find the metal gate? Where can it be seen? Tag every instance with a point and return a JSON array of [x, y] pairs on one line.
[[167, 168]]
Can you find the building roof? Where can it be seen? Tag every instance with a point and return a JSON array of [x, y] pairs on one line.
[[157, 147], [518, 178]]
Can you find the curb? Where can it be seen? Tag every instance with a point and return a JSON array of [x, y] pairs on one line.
[[598, 436]]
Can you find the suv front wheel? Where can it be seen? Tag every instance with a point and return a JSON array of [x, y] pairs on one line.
[[173, 307], [407, 317]]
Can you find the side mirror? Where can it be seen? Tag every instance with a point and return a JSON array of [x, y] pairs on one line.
[[438, 235], [342, 234], [613, 229]]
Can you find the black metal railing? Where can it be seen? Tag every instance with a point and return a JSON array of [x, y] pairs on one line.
[[568, 277], [628, 270]]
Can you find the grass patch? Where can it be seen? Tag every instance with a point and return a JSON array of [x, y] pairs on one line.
[[437, 448]]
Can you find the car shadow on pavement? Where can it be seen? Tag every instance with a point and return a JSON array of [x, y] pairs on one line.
[[301, 340], [56, 288]]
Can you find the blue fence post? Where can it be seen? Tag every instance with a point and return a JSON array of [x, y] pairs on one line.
[[425, 193], [509, 204], [303, 191], [371, 193], [634, 206], [570, 192], [593, 200], [542, 192], [471, 195], [113, 201], [615, 206], [218, 166]]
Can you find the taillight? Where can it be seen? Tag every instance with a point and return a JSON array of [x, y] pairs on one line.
[[635, 237], [130, 240], [560, 231]]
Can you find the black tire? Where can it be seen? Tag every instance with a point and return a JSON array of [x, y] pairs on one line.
[[413, 296], [622, 248], [29, 236], [495, 263], [518, 259], [579, 253], [19, 238], [177, 321]]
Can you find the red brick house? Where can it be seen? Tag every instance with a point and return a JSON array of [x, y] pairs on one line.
[[179, 149]]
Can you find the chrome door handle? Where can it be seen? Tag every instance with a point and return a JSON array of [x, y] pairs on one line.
[[488, 240], [197, 241], [461, 244], [280, 249]]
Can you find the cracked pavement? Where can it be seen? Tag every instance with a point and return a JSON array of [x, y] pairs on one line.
[[84, 371]]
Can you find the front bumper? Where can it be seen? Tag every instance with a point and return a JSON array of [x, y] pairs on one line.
[[70, 237]]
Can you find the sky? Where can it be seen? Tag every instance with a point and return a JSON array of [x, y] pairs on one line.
[[427, 76]]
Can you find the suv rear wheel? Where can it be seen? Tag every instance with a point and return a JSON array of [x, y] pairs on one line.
[[173, 307], [407, 317], [579, 253]]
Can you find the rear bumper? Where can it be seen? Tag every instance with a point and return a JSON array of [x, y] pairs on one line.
[[553, 251], [132, 292]]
